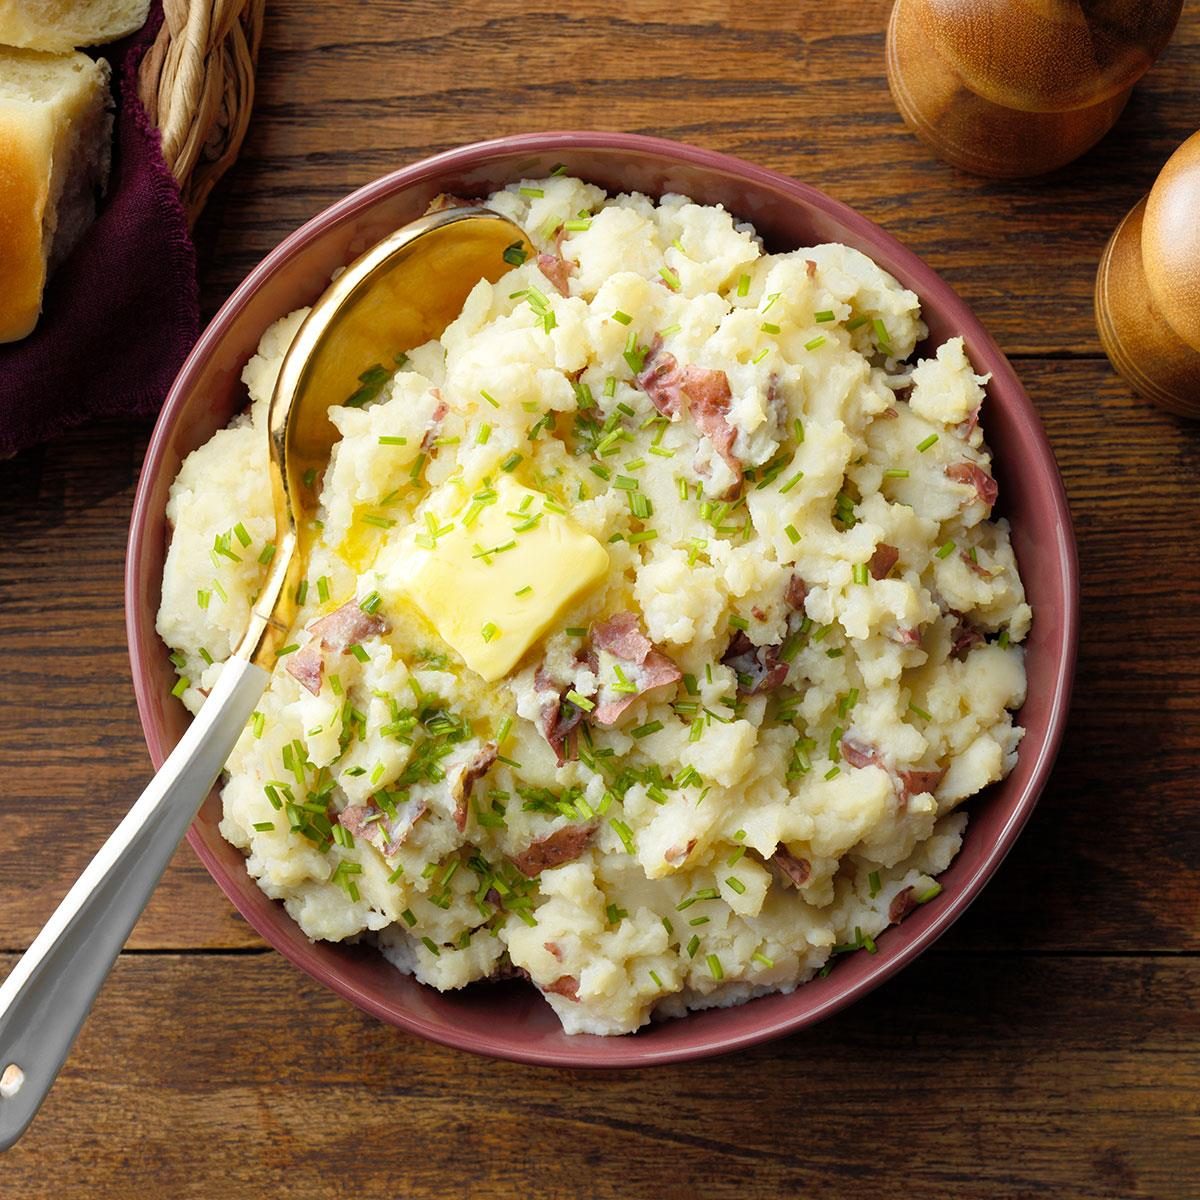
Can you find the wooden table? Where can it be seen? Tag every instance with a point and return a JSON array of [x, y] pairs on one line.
[[1048, 1046]]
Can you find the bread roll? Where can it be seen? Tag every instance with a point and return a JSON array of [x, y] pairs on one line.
[[55, 129], [61, 25]]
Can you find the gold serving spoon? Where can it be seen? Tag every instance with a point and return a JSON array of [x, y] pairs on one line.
[[399, 294]]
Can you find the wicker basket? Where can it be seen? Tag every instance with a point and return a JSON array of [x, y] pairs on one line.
[[197, 84]]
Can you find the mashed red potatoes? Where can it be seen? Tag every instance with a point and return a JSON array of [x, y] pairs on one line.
[[655, 632]]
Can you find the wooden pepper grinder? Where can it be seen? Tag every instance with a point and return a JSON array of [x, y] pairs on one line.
[[1148, 288], [1018, 87]]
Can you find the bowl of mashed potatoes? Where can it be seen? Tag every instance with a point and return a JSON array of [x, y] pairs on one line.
[[687, 634]]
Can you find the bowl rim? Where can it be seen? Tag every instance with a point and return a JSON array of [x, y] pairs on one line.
[[936, 293]]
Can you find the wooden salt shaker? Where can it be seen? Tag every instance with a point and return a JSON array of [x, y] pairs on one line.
[[1148, 288], [1018, 87]]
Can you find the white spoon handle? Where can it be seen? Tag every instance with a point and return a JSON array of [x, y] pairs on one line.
[[46, 998]]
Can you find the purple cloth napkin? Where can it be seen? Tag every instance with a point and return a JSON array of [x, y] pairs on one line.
[[121, 313]]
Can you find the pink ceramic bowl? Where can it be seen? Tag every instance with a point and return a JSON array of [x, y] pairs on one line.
[[510, 1020]]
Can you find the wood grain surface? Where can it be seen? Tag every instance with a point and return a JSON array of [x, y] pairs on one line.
[[1049, 1046]]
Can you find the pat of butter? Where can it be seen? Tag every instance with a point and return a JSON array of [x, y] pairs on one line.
[[492, 590]]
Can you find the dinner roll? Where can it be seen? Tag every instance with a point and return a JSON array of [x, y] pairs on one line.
[[61, 25], [55, 126]]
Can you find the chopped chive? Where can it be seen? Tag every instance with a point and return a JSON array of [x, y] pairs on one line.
[[924, 445], [881, 334], [824, 315], [739, 622], [856, 322], [743, 286], [646, 730], [575, 631], [920, 712], [268, 553], [534, 193], [654, 976], [323, 588], [895, 473], [515, 254], [760, 356], [693, 945], [714, 967], [513, 461], [490, 399], [242, 536], [761, 958], [873, 880], [815, 343], [302, 591], [736, 884], [945, 550], [488, 632], [360, 653], [929, 893], [669, 278], [769, 327], [377, 521], [393, 441], [580, 701], [792, 534], [859, 573], [524, 591], [182, 686], [791, 483], [623, 317]]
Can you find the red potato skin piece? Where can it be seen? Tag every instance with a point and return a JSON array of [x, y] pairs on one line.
[[676, 856], [912, 781], [346, 626], [797, 593], [662, 380], [622, 637], [978, 568], [964, 638], [307, 667], [973, 475], [475, 769], [915, 782], [357, 818], [657, 671], [705, 392], [760, 663], [555, 728], [903, 902], [883, 560], [557, 270], [562, 846], [340, 630], [857, 754], [435, 424], [710, 397], [797, 870], [564, 985]]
